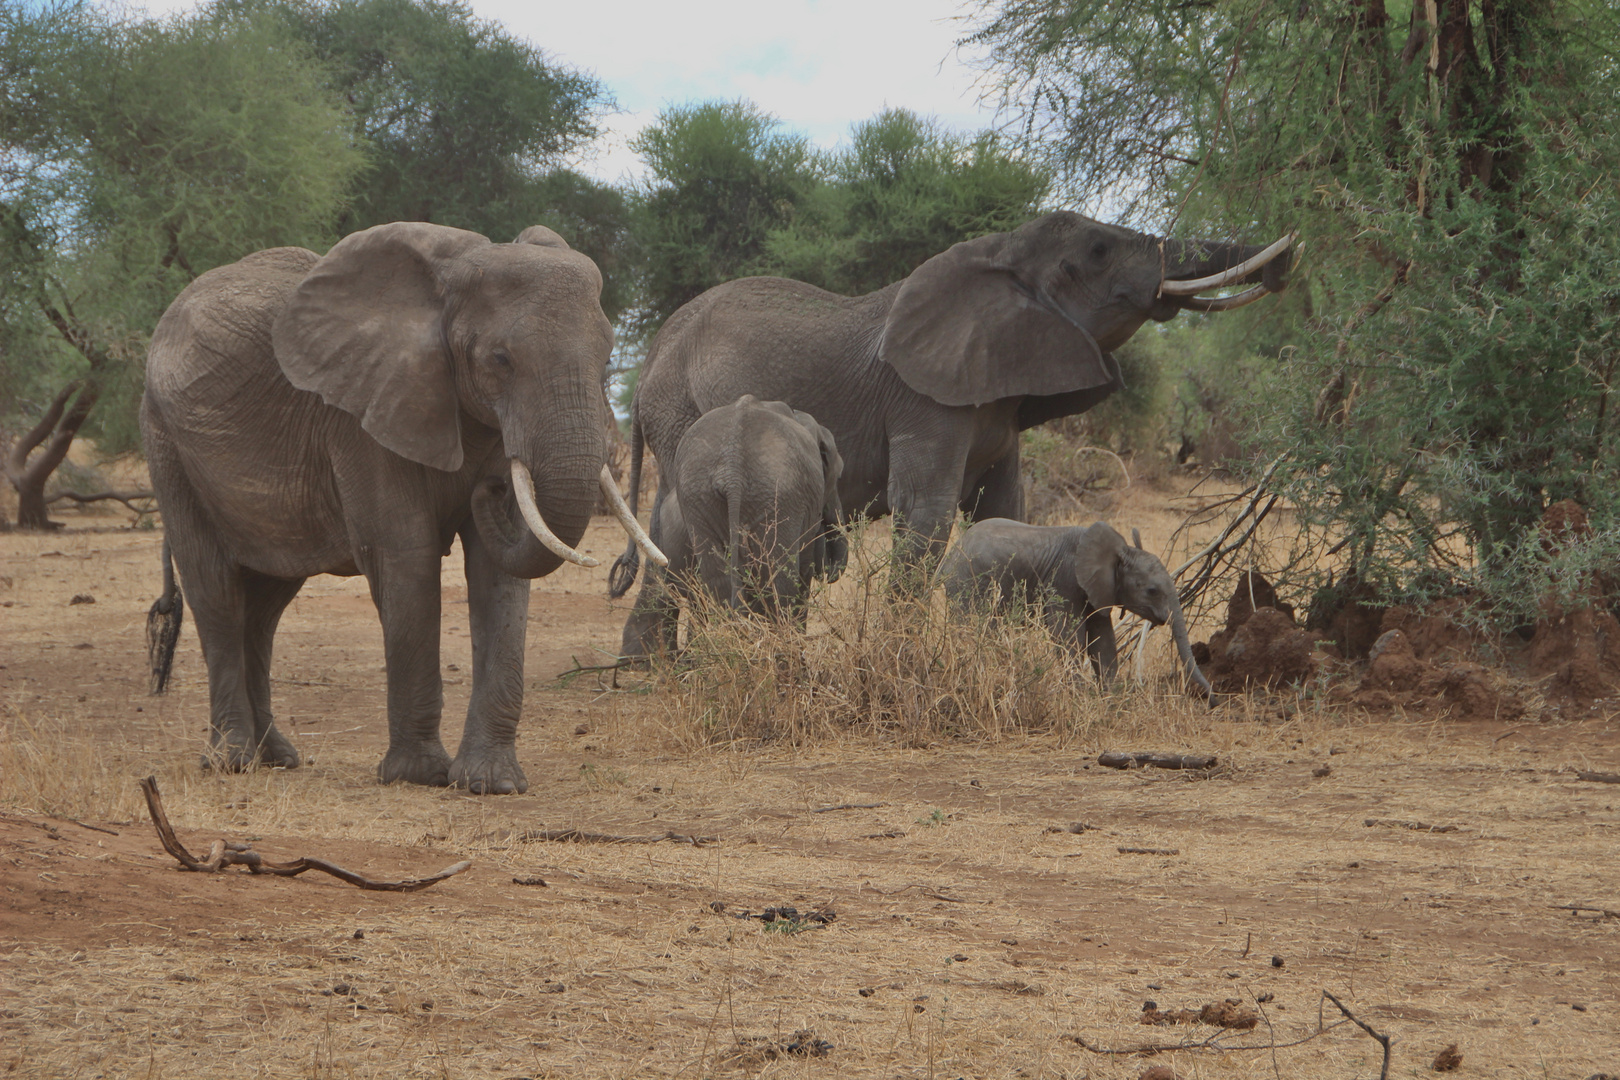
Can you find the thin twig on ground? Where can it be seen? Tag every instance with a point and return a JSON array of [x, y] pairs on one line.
[[848, 806], [1211, 1043], [1578, 908], [1115, 759], [1383, 1040], [225, 853], [579, 836]]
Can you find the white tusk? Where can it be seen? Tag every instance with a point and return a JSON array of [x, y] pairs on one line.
[[610, 488], [523, 488], [1228, 276], [1226, 303]]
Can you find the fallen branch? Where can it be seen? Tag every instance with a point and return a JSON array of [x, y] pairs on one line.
[[578, 836], [1416, 826], [1599, 777], [1115, 760], [848, 806], [1383, 1040], [124, 497], [1211, 1043], [225, 853], [1578, 908], [1149, 851]]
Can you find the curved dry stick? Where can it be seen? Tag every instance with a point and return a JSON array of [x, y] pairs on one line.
[[1383, 1040], [225, 853]]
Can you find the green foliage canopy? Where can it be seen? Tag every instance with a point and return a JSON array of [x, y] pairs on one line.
[[133, 157], [902, 192]]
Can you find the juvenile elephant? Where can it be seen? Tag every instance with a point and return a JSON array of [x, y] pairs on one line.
[[353, 414], [1074, 576], [755, 492], [926, 384]]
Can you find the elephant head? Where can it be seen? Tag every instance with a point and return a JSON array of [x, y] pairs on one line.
[[1034, 313], [1114, 574], [419, 330], [831, 545]]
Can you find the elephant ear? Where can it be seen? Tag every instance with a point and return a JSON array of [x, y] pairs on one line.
[[541, 236], [365, 329], [1096, 563], [972, 325]]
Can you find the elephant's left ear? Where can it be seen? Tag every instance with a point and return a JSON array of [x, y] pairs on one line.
[[365, 330], [541, 236], [969, 326]]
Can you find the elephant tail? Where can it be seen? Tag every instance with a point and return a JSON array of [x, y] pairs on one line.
[[1178, 628], [622, 575], [163, 625], [734, 544]]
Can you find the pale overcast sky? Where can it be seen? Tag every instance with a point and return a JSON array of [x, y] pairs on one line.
[[818, 65]]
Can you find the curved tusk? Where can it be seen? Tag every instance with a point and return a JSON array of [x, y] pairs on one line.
[[1230, 275], [523, 488], [1226, 303], [610, 488]]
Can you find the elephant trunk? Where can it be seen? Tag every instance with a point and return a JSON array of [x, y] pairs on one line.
[[1178, 629], [560, 486]]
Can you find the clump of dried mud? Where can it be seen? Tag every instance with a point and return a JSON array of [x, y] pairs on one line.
[[1437, 660]]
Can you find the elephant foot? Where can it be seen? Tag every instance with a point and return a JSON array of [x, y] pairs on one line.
[[489, 771], [231, 751], [277, 751], [423, 763]]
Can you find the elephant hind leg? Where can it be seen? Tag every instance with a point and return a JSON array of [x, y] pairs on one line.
[[265, 600], [214, 585]]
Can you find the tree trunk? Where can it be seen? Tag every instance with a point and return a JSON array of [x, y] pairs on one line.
[[55, 430]]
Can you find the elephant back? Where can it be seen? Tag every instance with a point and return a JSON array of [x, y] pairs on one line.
[[213, 342]]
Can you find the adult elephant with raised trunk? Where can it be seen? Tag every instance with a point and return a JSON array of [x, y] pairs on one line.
[[353, 414], [926, 384]]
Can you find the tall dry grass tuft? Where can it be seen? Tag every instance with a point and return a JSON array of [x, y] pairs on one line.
[[53, 767], [876, 665]]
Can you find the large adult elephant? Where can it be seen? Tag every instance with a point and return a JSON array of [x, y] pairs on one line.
[[353, 414], [926, 384]]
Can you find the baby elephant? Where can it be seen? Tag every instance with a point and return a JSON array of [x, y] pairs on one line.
[[752, 514], [1074, 576]]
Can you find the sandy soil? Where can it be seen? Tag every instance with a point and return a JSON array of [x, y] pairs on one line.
[[973, 936]]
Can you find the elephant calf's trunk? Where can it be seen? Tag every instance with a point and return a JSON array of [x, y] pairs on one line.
[[1178, 628]]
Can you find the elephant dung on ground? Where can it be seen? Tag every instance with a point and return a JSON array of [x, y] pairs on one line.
[[926, 384], [754, 497], [1073, 576], [353, 414]]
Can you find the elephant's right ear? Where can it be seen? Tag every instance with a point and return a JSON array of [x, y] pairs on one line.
[[970, 326], [1096, 563], [365, 330]]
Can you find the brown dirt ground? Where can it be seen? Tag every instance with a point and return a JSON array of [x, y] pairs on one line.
[[986, 940]]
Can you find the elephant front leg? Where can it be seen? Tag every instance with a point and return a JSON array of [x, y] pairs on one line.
[[925, 484], [498, 614], [999, 491], [1100, 643], [405, 588]]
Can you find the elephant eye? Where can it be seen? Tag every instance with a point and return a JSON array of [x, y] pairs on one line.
[[502, 360], [1099, 250]]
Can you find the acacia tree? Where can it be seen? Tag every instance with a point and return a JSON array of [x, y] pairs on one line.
[[1452, 167], [902, 192], [135, 155], [463, 124], [723, 175]]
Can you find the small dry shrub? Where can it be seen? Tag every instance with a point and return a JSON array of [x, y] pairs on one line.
[[872, 664]]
